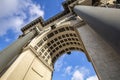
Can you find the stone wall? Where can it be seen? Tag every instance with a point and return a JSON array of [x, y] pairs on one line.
[[27, 67]]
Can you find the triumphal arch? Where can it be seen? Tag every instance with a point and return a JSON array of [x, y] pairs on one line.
[[91, 26]]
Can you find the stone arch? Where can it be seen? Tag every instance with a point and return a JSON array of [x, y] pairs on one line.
[[52, 43]]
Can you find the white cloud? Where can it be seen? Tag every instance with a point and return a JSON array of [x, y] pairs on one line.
[[35, 11], [59, 63], [68, 70], [83, 70], [7, 39], [80, 73], [92, 78], [77, 75], [16, 13]]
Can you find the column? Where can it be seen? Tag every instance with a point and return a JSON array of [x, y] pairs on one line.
[[105, 21], [9, 53]]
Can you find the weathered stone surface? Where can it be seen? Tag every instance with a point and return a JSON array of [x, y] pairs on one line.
[[105, 59]]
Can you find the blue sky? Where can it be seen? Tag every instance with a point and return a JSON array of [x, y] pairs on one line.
[[74, 67], [17, 13]]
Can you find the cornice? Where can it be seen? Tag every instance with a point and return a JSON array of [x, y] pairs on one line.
[[67, 9], [43, 23]]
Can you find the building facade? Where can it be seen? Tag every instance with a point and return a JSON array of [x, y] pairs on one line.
[[33, 55]]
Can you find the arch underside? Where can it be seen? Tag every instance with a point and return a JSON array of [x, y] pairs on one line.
[[62, 39]]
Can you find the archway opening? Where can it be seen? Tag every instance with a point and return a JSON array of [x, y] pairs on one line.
[[74, 66]]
